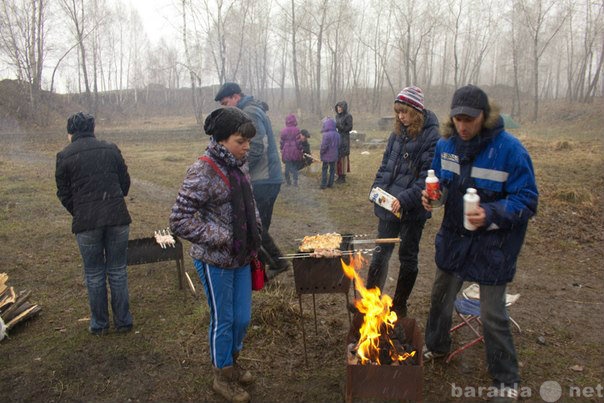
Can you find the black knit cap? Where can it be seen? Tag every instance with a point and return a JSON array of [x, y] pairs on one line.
[[80, 123], [223, 122], [227, 90], [469, 100]]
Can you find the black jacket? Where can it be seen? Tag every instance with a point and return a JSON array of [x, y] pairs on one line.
[[92, 180], [404, 169], [343, 126]]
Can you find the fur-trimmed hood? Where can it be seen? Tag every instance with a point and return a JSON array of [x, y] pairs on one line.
[[493, 121]]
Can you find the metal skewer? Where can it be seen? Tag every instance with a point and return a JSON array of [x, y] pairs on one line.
[[343, 236], [376, 241], [343, 253]]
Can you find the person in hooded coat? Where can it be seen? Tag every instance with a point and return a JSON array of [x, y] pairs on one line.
[[402, 173], [343, 126], [291, 149], [330, 144]]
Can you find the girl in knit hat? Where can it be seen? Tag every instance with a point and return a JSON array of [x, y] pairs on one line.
[[402, 173], [215, 210]]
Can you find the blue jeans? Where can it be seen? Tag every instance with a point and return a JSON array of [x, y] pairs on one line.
[[499, 344], [410, 233], [229, 296], [104, 253], [332, 169]]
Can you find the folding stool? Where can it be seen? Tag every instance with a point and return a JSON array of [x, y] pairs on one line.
[[467, 307]]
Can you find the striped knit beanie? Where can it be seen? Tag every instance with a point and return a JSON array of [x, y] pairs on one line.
[[412, 96]]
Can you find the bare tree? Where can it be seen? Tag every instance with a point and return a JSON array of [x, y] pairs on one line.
[[189, 65], [536, 14], [23, 41], [294, 28], [74, 9], [582, 58]]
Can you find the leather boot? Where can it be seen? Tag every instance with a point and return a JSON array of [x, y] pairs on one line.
[[226, 385], [244, 376], [404, 286], [269, 254]]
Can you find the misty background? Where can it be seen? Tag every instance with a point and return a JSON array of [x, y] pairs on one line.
[[302, 56]]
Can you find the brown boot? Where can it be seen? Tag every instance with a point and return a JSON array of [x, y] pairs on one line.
[[226, 385], [244, 376]]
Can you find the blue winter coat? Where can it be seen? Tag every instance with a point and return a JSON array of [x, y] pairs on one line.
[[263, 157], [291, 149], [404, 169], [330, 141], [502, 172]]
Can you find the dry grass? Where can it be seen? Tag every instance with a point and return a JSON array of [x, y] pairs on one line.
[[52, 358]]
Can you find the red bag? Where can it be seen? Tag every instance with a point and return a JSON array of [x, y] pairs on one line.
[[257, 274]]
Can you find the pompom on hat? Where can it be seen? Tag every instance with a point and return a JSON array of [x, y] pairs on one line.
[[223, 122], [412, 96]]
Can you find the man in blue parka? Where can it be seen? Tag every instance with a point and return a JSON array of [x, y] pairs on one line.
[[476, 152]]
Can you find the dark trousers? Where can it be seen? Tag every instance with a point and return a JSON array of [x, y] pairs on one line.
[[499, 343], [410, 233], [265, 196], [327, 179]]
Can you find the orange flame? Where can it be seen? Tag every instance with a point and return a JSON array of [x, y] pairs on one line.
[[377, 317]]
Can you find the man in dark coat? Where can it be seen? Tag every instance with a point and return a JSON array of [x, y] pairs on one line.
[[92, 181]]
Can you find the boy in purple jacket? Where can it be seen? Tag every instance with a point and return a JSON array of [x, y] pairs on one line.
[[329, 151]]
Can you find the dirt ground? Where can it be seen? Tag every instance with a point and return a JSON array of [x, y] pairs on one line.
[[52, 358]]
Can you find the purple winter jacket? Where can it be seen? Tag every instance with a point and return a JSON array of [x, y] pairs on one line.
[[330, 142], [291, 150]]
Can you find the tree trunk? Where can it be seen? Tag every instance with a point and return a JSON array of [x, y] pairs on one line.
[[194, 99], [295, 58]]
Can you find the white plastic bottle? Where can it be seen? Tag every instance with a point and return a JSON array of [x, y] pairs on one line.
[[470, 203], [433, 188]]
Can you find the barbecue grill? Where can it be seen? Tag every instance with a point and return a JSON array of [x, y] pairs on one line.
[[147, 250], [386, 382], [321, 275]]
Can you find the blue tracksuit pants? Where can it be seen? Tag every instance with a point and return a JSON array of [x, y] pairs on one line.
[[229, 296]]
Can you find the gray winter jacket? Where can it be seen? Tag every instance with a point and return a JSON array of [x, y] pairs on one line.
[[263, 158]]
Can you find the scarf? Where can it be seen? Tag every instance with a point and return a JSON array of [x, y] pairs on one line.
[[246, 235]]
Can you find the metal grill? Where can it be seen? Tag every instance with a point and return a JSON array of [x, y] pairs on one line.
[[147, 250]]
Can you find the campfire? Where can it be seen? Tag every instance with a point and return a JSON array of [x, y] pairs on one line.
[[382, 340], [382, 358]]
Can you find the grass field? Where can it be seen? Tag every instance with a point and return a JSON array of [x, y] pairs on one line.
[[52, 357]]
